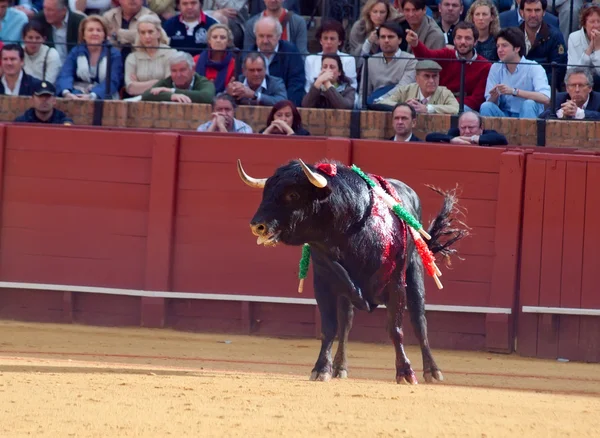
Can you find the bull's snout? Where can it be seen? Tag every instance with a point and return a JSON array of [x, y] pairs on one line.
[[259, 229]]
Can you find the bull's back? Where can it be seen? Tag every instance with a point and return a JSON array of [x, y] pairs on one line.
[[410, 199]]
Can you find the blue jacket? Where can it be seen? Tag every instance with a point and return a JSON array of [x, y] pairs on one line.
[[549, 46], [288, 65], [592, 110], [177, 32], [511, 19], [76, 68]]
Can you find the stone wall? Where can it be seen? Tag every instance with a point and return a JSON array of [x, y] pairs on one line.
[[334, 123]]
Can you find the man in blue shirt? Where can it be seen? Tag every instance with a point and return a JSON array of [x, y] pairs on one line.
[[12, 21], [43, 110], [188, 29], [519, 87]]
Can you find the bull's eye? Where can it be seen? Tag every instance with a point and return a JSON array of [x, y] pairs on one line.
[[292, 197]]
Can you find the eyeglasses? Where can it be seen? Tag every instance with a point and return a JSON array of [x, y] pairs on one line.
[[578, 85]]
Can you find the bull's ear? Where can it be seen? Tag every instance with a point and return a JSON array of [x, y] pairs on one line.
[[316, 180], [252, 182]]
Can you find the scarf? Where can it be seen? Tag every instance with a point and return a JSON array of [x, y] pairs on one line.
[[221, 67]]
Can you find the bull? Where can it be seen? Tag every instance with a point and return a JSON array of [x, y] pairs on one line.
[[362, 255]]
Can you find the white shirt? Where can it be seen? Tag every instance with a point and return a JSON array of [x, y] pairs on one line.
[[60, 39], [312, 68], [270, 57], [15, 91], [403, 139], [579, 114], [261, 88]]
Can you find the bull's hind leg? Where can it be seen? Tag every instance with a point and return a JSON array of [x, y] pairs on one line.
[[345, 315], [415, 291], [395, 310]]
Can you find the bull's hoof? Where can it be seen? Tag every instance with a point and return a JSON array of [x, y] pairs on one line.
[[322, 376], [406, 377], [340, 373], [430, 376]]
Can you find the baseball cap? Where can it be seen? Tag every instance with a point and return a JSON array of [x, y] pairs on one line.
[[44, 88]]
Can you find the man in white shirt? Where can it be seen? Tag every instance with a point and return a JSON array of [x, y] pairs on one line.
[[255, 87], [223, 117], [14, 81], [331, 35]]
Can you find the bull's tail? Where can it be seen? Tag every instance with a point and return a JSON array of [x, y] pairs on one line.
[[446, 228]]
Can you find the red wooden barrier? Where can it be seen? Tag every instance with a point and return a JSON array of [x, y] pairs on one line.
[[559, 309]]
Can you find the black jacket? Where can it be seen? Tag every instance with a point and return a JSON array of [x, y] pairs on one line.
[[28, 85], [488, 138], [413, 137], [592, 110], [58, 118]]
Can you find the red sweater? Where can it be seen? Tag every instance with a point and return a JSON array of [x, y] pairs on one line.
[[476, 73]]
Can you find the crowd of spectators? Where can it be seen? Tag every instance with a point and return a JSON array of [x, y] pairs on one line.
[[409, 57]]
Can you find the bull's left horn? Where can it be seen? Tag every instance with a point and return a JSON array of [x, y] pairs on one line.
[[316, 179], [252, 182]]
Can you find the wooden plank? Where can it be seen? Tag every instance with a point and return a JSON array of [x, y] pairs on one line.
[[77, 193], [367, 155], [82, 140], [160, 226], [551, 264], [531, 248], [77, 166], [89, 220], [573, 242]]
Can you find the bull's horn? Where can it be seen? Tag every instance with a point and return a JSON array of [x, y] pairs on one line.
[[316, 179], [252, 182]]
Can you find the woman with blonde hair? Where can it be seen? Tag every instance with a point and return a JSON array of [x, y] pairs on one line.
[[85, 71], [217, 63], [484, 15], [148, 63], [363, 35]]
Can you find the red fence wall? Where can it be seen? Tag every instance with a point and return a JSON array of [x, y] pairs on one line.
[[149, 211]]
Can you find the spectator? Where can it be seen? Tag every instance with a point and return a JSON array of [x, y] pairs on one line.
[[183, 85], [391, 66], [223, 117], [85, 72], [41, 62], [61, 26], [12, 21], [476, 67], [293, 26], [513, 17], [165, 9], [217, 63], [404, 118], [42, 110], [256, 6], [29, 7], [450, 13], [255, 87], [188, 30], [518, 88], [584, 44], [233, 13], [424, 26], [363, 35], [484, 15], [91, 7], [469, 132], [544, 44], [331, 89], [284, 119], [331, 35], [426, 96], [14, 81], [283, 59], [579, 102], [122, 23], [149, 61], [566, 13]]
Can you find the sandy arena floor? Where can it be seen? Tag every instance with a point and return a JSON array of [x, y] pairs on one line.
[[79, 381]]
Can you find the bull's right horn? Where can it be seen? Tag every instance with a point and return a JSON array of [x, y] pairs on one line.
[[252, 182], [316, 179]]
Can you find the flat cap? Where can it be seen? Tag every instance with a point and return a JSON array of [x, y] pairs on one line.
[[428, 64]]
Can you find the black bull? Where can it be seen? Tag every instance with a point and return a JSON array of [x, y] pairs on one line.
[[362, 255]]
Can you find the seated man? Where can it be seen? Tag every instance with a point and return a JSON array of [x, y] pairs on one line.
[[184, 85], [579, 102], [223, 117], [14, 81], [518, 88], [43, 110], [188, 29], [255, 87], [426, 96], [391, 66], [470, 131], [404, 119]]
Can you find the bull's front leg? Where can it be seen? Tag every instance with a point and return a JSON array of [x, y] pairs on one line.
[[345, 315], [327, 303], [395, 310]]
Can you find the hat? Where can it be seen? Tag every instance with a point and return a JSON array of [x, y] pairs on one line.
[[428, 64], [44, 88]]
